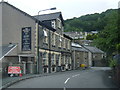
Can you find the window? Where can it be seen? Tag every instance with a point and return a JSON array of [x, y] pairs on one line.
[[59, 23], [53, 38], [64, 43], [60, 41], [59, 60], [45, 58], [70, 61], [52, 59], [53, 24], [45, 40], [68, 44]]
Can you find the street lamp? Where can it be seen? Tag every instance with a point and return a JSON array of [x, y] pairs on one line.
[[54, 8], [37, 31]]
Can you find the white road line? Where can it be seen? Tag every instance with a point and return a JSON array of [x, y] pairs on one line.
[[64, 88], [66, 80], [76, 75]]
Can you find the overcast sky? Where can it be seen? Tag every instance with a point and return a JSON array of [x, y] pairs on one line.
[[69, 8]]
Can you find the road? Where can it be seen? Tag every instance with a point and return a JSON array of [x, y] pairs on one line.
[[92, 78]]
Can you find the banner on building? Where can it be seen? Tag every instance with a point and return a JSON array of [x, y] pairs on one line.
[[26, 39]]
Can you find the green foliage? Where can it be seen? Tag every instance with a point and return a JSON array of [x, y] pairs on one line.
[[88, 22], [118, 48], [108, 37], [91, 37], [112, 63]]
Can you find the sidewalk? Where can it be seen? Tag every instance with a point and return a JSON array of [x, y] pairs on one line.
[[6, 82]]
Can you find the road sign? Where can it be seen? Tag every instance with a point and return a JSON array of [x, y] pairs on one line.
[[14, 70]]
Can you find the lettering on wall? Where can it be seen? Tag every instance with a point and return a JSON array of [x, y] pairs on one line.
[[26, 39]]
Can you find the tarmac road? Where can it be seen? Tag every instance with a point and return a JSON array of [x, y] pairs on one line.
[[96, 77]]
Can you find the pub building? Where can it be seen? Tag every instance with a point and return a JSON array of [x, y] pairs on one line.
[[32, 44]]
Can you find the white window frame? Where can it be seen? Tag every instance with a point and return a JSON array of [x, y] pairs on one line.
[[53, 24], [45, 40], [59, 23]]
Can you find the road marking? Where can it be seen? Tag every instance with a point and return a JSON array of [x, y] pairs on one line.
[[64, 88], [76, 75], [66, 80]]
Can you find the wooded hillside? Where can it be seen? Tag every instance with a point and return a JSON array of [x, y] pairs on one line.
[[89, 22]]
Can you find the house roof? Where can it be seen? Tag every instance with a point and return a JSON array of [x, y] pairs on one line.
[[93, 49], [3, 2], [6, 49], [67, 36], [51, 16], [78, 47]]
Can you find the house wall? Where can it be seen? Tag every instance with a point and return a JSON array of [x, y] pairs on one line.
[[13, 22], [97, 57], [80, 57], [52, 43], [90, 59], [0, 41], [0, 25]]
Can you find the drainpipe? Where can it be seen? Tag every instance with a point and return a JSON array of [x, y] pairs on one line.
[[49, 59]]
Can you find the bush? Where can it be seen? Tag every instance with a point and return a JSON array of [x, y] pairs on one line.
[[112, 63]]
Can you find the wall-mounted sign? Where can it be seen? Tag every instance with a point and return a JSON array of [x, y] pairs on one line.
[[26, 39]]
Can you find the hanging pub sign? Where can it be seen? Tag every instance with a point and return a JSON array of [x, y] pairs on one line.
[[26, 39]]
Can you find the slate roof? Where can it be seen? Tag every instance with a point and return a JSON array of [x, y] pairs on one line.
[[51, 16], [78, 47], [93, 49], [4, 50]]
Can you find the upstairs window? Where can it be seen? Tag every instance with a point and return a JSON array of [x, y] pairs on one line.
[[53, 24], [59, 23], [53, 59], [53, 38], [60, 41], [45, 40]]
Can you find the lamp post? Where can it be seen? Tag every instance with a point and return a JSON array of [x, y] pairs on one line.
[[39, 63], [54, 8]]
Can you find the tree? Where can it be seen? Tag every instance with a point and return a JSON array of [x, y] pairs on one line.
[[108, 38]]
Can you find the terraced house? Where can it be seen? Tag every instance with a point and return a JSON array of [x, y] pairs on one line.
[[38, 46], [56, 47]]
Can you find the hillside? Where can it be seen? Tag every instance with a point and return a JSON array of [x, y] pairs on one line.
[[89, 22]]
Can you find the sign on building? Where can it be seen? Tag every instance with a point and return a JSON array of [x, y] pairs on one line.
[[26, 39]]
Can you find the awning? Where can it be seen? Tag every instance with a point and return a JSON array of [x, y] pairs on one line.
[[6, 49]]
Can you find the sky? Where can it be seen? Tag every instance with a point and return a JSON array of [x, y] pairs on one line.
[[69, 8]]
